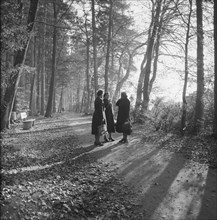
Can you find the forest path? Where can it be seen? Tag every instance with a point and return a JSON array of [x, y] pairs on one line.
[[168, 186]]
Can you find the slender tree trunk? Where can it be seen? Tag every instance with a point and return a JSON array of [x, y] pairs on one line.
[[149, 59], [52, 80], [88, 77], [184, 102], [61, 101], [87, 67], [94, 47], [54, 99], [78, 99], [38, 81], [155, 63], [199, 108], [123, 80], [43, 71], [108, 46], [117, 88], [139, 91], [140, 88], [11, 89], [32, 103], [215, 76], [82, 101]]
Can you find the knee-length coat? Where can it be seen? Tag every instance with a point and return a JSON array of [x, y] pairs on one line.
[[123, 113], [97, 115], [109, 116]]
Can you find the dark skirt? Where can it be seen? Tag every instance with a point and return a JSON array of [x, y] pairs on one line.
[[110, 120]]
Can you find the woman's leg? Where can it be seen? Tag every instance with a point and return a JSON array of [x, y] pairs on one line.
[[96, 138], [125, 137], [110, 137], [105, 138]]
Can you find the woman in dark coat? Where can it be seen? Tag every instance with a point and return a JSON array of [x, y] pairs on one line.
[[109, 117], [97, 119], [123, 115]]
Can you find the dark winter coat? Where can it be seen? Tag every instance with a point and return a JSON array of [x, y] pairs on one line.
[[123, 113], [109, 116], [97, 115]]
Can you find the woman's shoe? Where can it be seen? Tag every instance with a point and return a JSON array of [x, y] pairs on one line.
[[98, 143], [125, 141], [121, 141], [111, 139]]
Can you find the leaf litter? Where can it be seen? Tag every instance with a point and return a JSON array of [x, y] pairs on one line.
[[73, 189]]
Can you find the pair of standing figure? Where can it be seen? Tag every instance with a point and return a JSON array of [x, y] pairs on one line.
[[102, 106]]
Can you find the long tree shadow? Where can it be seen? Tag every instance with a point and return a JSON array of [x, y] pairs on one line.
[[168, 187], [208, 208], [159, 183]]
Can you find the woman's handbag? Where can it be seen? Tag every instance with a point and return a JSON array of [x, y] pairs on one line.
[[102, 129], [127, 127]]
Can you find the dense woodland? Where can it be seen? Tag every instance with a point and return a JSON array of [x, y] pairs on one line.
[[55, 55]]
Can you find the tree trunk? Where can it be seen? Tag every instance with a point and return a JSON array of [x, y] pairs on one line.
[[199, 108], [149, 59], [140, 88], [11, 89], [121, 82], [54, 98], [43, 62], [139, 91], [157, 46], [108, 46], [52, 80], [38, 80], [32, 103], [94, 47], [61, 101], [215, 76], [184, 102], [88, 77], [87, 67]]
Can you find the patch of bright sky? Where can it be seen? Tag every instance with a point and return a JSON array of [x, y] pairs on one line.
[[169, 81], [166, 85]]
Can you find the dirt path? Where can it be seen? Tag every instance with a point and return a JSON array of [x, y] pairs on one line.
[[168, 185]]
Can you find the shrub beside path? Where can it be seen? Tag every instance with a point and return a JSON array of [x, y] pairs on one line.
[[54, 171]]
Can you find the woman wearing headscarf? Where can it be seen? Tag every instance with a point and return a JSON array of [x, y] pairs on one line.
[[123, 115], [109, 117], [97, 119]]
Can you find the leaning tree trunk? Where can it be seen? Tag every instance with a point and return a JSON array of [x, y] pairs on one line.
[[52, 80], [11, 89], [184, 102], [215, 76], [199, 108]]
